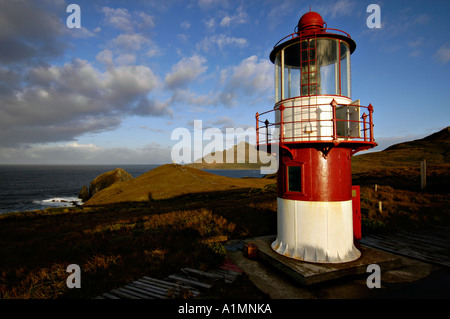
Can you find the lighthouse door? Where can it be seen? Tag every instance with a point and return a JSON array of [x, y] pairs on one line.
[[348, 120]]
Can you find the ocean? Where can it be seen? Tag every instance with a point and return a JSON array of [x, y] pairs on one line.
[[31, 187]]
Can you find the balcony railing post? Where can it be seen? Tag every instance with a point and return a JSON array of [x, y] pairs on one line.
[[281, 123], [257, 128], [370, 108], [364, 117], [267, 131], [333, 106]]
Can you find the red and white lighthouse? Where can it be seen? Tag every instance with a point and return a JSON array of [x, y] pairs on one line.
[[320, 128]]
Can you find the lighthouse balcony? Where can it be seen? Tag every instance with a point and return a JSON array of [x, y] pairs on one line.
[[317, 119]]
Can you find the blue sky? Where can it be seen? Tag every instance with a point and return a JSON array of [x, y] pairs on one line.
[[113, 91]]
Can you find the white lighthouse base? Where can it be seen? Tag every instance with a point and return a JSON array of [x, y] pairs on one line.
[[320, 232]]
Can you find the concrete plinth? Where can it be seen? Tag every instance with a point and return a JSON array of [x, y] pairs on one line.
[[308, 273]]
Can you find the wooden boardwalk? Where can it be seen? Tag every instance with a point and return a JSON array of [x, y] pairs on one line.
[[188, 283], [430, 245]]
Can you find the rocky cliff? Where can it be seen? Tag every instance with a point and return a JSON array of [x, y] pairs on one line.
[[103, 181]]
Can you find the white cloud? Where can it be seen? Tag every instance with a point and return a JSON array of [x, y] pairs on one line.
[[443, 53], [122, 19], [118, 18], [130, 42], [61, 102], [154, 51], [252, 75], [105, 57], [220, 41], [185, 25], [185, 71], [206, 4], [147, 21], [210, 24], [77, 145], [238, 18], [126, 59], [340, 8], [251, 78]]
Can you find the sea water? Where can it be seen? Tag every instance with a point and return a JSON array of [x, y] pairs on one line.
[[31, 187]]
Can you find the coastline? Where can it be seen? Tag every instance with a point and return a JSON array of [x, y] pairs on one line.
[[39, 193]]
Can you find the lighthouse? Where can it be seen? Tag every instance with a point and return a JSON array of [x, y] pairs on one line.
[[320, 127]]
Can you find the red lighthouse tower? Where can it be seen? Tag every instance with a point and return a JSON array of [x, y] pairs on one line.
[[320, 128]]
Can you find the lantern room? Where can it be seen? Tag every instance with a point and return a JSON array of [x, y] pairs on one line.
[[318, 64]]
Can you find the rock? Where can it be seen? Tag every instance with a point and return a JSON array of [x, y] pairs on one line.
[[103, 181], [84, 193]]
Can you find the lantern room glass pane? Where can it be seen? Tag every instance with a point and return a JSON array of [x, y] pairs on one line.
[[278, 77], [345, 69], [291, 71], [328, 63]]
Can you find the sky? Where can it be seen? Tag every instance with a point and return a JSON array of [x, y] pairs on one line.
[[114, 90]]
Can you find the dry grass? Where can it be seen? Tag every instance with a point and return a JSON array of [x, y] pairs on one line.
[[171, 180], [402, 208], [116, 244]]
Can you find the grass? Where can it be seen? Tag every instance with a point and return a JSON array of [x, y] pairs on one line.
[[116, 244], [402, 208]]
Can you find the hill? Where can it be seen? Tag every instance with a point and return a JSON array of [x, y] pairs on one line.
[[398, 166], [243, 155], [435, 149], [168, 181]]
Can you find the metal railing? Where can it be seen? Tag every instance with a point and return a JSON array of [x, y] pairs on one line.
[[304, 129], [306, 33]]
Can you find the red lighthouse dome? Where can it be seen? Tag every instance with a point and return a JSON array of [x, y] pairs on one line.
[[310, 20]]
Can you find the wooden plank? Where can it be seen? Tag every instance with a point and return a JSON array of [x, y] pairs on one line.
[[153, 288], [422, 238], [424, 245], [167, 289], [161, 294], [228, 276], [414, 245], [145, 294], [190, 281], [158, 284], [161, 282], [200, 273]]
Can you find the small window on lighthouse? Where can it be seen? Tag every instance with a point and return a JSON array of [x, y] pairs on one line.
[[294, 178]]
